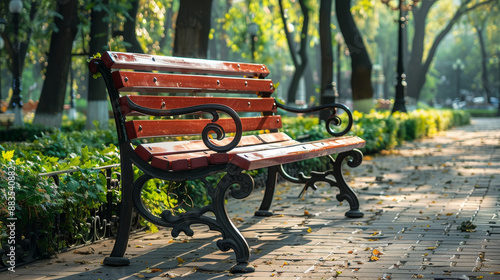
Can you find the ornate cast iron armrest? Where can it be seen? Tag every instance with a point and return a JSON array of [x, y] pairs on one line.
[[333, 119], [211, 127]]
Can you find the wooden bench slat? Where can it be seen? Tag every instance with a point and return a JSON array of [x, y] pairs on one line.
[[120, 60], [179, 162], [158, 128], [272, 157], [148, 151], [175, 102], [126, 81], [190, 160]]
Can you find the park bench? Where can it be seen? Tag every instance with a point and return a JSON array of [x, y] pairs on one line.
[[181, 96]]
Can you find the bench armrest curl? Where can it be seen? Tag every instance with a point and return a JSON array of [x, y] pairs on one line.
[[211, 127], [333, 119]]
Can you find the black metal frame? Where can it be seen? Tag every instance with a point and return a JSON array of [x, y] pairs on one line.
[[238, 184]]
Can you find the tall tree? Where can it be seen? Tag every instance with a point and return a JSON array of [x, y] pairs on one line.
[[192, 28], [129, 35], [50, 107], [479, 27], [325, 37], [362, 90], [421, 62], [97, 105], [300, 64]]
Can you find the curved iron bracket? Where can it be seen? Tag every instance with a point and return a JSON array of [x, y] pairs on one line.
[[238, 184], [333, 119], [353, 158], [211, 127]]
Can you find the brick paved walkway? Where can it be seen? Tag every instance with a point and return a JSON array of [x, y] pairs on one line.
[[414, 198]]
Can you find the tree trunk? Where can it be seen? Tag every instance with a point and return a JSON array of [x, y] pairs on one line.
[[192, 28], [97, 106], [128, 33], [362, 90], [166, 41], [50, 107], [325, 39], [300, 66], [484, 63], [417, 72]]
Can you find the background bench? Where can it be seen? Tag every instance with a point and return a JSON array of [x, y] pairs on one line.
[[180, 97]]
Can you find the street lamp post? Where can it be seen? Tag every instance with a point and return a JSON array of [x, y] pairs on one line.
[[253, 28], [399, 101], [15, 7], [458, 66], [2, 28]]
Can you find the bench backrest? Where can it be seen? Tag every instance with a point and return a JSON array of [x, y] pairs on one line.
[[184, 78]]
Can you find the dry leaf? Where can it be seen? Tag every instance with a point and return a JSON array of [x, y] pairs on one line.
[[139, 246], [306, 213], [180, 260], [374, 258], [309, 230]]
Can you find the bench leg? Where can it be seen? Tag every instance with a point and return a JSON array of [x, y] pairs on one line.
[[272, 178], [354, 158], [116, 258], [231, 236]]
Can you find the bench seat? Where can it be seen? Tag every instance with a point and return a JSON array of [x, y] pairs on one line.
[[253, 152]]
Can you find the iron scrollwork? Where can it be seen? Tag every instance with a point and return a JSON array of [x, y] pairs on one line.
[[353, 158], [211, 127], [231, 237], [333, 119]]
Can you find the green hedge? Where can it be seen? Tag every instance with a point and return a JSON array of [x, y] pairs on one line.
[[80, 192], [382, 130]]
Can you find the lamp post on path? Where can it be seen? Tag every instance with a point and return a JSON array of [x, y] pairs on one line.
[[403, 8], [15, 7]]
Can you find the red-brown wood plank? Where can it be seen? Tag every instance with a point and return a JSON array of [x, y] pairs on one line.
[[120, 60], [147, 151], [159, 128], [271, 157], [193, 160], [219, 158], [126, 81], [175, 102], [179, 162]]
